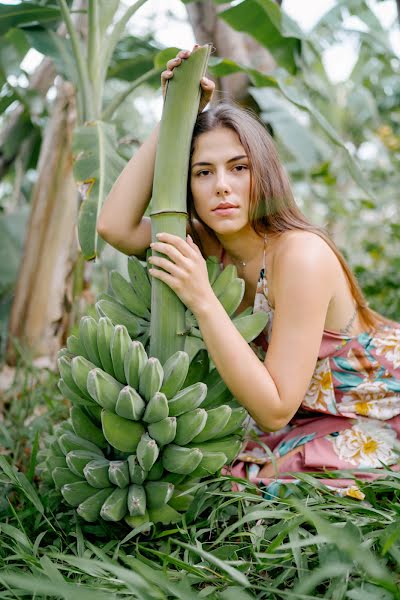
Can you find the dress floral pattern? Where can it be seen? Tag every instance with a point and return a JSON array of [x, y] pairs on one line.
[[349, 418]]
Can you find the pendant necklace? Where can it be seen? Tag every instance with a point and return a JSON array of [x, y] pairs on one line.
[[242, 263]]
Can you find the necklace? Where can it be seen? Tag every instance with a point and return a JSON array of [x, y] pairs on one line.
[[243, 263]]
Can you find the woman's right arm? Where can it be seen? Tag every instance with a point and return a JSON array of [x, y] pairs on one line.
[[121, 222]]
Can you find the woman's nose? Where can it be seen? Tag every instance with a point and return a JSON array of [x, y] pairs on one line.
[[222, 186]]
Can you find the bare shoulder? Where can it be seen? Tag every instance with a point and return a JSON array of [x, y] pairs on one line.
[[304, 250]]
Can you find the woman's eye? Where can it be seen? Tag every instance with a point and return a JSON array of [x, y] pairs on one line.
[[241, 167]]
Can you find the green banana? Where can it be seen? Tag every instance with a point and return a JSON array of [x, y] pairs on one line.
[[126, 295], [136, 473], [189, 425], [90, 508], [119, 315], [93, 411], [137, 521], [151, 378], [157, 409], [224, 279], [198, 368], [88, 337], [120, 343], [118, 473], [136, 500], [158, 493], [70, 441], [187, 399], [235, 421], [217, 418], [134, 362], [230, 446], [217, 391], [163, 431], [175, 372], [55, 448], [129, 404], [65, 368], [76, 493], [121, 433], [96, 473], [80, 368], [62, 475], [139, 279], [75, 346], [147, 452], [115, 506], [78, 459], [213, 268], [105, 330], [75, 399], [85, 428], [250, 326], [55, 462], [103, 388], [181, 502], [156, 471], [181, 460], [164, 514], [232, 296], [210, 464]]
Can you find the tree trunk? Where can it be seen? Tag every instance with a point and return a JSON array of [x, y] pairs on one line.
[[235, 45], [41, 311], [43, 297]]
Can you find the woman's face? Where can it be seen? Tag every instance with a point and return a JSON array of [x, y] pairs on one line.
[[220, 181]]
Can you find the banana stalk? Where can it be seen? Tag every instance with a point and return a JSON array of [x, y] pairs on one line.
[[169, 211]]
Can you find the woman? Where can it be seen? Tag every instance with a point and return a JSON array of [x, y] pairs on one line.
[[326, 392]]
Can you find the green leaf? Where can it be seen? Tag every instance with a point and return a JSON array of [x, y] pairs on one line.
[[97, 166], [26, 13], [294, 135], [56, 47], [12, 235], [266, 23], [232, 573], [13, 47]]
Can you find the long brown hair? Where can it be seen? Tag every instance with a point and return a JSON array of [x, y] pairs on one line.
[[272, 206]]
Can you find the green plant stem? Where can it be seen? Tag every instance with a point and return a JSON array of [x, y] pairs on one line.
[[116, 35], [93, 48], [80, 62], [169, 211], [112, 107]]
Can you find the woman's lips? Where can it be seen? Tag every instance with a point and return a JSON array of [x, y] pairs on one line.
[[228, 210]]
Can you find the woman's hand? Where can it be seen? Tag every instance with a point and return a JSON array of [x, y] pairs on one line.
[[207, 85], [184, 270]]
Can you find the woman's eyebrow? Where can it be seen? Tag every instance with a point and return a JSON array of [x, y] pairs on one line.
[[206, 164]]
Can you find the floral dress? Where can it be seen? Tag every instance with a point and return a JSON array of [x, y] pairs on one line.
[[349, 418]]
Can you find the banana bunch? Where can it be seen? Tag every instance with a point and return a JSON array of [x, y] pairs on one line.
[[141, 433], [137, 429]]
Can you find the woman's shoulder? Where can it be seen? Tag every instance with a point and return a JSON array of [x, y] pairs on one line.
[[303, 248]]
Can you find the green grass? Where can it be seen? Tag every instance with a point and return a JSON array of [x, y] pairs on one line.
[[231, 545]]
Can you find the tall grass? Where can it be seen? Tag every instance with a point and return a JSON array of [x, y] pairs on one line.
[[230, 546]]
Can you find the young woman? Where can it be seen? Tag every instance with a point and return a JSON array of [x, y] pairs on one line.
[[326, 392]]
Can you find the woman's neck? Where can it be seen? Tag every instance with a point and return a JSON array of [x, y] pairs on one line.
[[243, 248]]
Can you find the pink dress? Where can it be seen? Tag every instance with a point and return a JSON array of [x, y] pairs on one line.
[[349, 418]]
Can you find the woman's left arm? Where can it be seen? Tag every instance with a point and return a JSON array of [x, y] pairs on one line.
[[271, 391]]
